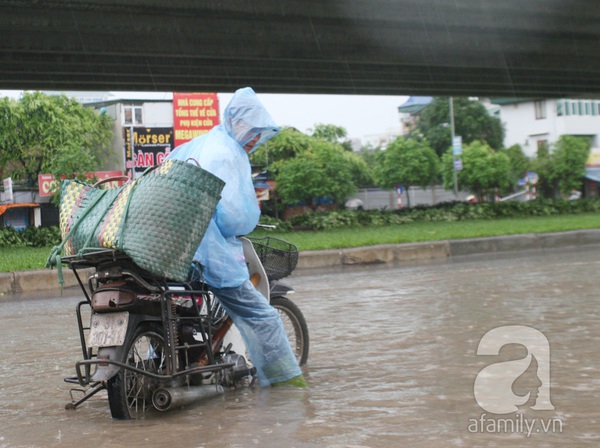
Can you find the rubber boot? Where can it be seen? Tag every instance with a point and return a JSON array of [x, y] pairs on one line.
[[297, 381]]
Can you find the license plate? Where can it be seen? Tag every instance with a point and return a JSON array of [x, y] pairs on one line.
[[107, 330]]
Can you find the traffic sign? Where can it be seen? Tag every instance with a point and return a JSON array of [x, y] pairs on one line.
[[8, 189], [457, 145]]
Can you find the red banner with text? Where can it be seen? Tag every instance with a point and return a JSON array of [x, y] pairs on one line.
[[194, 114], [47, 183]]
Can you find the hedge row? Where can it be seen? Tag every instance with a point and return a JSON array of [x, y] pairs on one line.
[[31, 237], [447, 211]]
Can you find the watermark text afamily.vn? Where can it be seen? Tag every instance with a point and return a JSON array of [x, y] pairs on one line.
[[517, 424]]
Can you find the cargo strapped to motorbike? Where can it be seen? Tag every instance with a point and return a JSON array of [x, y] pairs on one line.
[[158, 219]]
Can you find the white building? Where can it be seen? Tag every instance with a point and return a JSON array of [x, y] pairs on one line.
[[531, 123], [410, 110], [381, 140]]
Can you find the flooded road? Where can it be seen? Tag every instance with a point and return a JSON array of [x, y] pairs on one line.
[[393, 362]]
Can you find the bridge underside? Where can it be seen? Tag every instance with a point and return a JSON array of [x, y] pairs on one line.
[[514, 48]]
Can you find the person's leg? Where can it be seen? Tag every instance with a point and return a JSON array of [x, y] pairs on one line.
[[263, 333]]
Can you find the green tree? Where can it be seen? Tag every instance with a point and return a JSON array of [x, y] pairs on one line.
[[50, 134], [561, 170], [483, 170], [287, 144], [332, 133], [308, 168], [471, 121], [329, 132], [324, 171], [407, 162], [569, 156], [542, 166], [362, 173], [371, 156], [519, 163]]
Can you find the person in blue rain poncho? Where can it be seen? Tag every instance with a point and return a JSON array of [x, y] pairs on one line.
[[224, 152]]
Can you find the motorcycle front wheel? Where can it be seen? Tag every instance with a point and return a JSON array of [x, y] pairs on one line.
[[294, 325], [130, 393]]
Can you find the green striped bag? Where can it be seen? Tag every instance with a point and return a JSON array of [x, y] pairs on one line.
[[158, 219]]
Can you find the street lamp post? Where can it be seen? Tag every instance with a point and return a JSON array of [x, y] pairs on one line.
[[453, 152]]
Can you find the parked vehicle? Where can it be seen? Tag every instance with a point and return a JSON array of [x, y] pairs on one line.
[[157, 345]]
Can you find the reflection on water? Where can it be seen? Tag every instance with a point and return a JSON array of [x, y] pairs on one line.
[[393, 365]]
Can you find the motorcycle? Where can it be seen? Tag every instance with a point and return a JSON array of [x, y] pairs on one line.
[[154, 344]]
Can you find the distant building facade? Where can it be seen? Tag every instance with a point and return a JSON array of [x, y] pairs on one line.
[[532, 123], [146, 128], [410, 110]]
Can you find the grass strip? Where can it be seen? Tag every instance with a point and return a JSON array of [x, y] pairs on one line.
[[435, 231], [25, 258]]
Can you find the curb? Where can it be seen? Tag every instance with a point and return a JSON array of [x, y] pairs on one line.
[[385, 253], [439, 250], [35, 280], [47, 280]]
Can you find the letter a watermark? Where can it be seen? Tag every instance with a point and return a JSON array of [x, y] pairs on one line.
[[493, 384]]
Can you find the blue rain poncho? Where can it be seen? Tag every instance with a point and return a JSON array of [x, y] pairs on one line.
[[221, 152]]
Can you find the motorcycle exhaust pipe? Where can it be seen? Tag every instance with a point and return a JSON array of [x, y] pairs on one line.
[[169, 397]]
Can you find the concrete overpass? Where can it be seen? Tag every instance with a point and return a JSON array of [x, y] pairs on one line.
[[526, 48]]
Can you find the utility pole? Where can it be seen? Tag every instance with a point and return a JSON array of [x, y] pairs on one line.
[[453, 151]]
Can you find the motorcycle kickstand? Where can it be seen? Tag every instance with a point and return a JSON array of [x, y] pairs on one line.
[[97, 387]]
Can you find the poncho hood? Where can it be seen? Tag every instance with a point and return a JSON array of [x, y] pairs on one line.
[[245, 117]]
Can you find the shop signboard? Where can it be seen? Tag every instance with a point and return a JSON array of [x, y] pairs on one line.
[[47, 183], [194, 114], [150, 147]]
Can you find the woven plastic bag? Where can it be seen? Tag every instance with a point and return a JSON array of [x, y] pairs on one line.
[[158, 220]]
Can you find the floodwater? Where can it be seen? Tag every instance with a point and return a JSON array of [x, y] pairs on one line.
[[393, 363]]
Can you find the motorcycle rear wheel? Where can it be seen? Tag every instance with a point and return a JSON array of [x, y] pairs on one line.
[[295, 326], [130, 393]]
